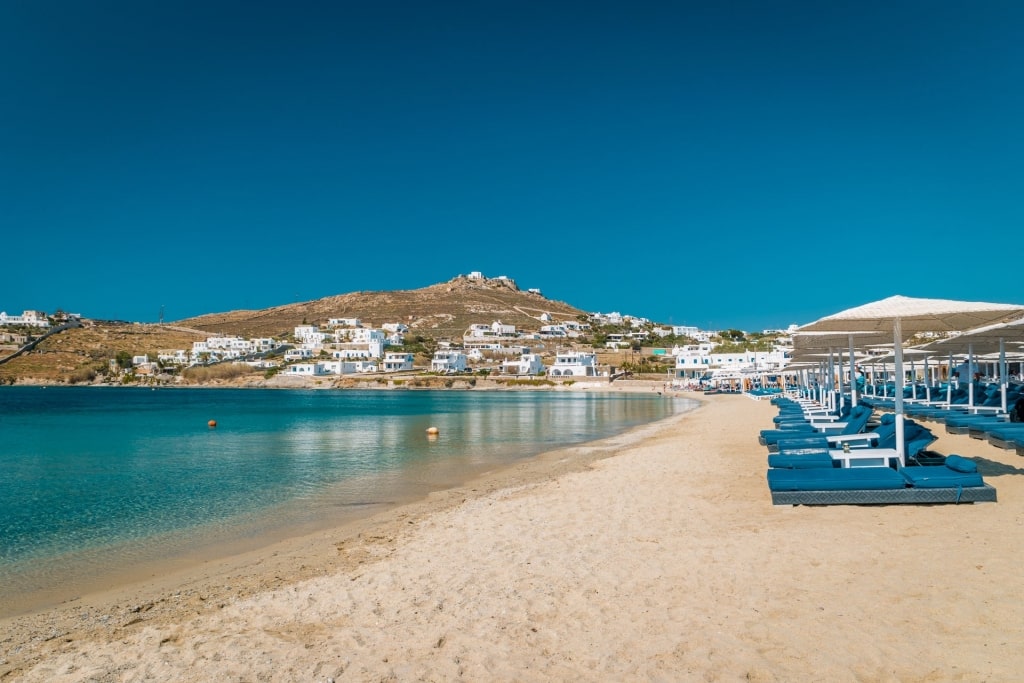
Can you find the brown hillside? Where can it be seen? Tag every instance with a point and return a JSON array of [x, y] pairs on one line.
[[441, 311], [73, 354]]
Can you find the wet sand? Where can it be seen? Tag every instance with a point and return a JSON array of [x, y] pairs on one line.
[[654, 555]]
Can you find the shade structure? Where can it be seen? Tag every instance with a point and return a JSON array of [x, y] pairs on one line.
[[983, 339], [904, 317], [987, 339]]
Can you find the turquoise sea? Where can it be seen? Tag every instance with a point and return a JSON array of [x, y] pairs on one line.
[[94, 481]]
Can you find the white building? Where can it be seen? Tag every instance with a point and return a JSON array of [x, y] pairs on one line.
[[344, 322], [309, 334], [554, 331], [528, 364], [448, 361], [173, 357], [613, 318], [29, 318], [306, 369], [696, 361], [395, 328], [398, 362], [349, 367], [574, 364], [616, 341], [298, 354]]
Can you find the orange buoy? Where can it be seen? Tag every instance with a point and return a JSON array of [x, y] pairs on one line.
[[433, 431], [212, 423]]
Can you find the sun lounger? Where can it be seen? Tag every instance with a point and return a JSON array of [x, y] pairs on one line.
[[962, 424], [804, 453], [858, 419], [877, 486], [1009, 436]]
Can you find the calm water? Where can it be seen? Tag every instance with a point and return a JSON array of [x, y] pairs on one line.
[[94, 479]]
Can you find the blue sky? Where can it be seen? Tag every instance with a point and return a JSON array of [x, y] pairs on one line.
[[736, 164]]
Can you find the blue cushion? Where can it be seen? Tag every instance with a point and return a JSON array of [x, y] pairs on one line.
[[847, 479], [959, 463], [796, 461], [939, 478], [802, 443]]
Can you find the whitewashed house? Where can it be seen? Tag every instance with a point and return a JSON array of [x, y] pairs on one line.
[[479, 331], [613, 318], [262, 344], [616, 341], [298, 354], [574, 364], [398, 362], [309, 334], [448, 361], [685, 331], [575, 327], [349, 367], [344, 322], [305, 370], [554, 331], [173, 357], [503, 330], [528, 364], [29, 318]]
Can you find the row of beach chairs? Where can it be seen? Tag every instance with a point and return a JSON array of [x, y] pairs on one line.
[[821, 458]]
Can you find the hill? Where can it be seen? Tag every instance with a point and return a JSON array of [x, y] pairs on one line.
[[441, 311]]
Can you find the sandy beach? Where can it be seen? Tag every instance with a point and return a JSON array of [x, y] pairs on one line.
[[655, 555]]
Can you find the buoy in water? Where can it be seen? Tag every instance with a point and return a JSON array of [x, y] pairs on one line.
[[212, 423], [433, 431]]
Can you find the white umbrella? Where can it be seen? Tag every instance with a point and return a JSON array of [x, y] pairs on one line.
[[986, 339], [804, 342], [906, 316]]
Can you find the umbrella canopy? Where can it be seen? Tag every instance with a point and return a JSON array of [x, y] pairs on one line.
[[905, 316], [817, 341], [982, 339], [987, 339], [915, 315]]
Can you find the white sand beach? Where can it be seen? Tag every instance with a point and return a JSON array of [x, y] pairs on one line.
[[653, 556]]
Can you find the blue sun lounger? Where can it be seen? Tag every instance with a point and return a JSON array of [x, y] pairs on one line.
[[880, 485], [856, 422]]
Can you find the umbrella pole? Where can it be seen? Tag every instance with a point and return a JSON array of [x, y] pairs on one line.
[[970, 385], [927, 382], [897, 331], [949, 381], [1003, 379], [853, 376]]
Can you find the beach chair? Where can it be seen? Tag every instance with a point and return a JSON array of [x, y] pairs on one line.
[[856, 423], [879, 485]]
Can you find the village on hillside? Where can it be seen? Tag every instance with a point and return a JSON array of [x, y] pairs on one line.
[[556, 348]]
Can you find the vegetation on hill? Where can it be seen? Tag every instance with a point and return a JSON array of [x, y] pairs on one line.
[[83, 354]]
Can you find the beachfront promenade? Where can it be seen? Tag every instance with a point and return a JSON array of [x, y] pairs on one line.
[[665, 562]]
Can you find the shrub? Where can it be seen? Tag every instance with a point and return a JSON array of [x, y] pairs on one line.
[[201, 374]]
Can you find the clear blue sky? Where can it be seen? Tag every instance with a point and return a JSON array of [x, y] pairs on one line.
[[734, 164]]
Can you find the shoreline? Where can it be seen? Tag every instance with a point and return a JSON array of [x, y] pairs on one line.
[[201, 546], [158, 592], [655, 555]]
